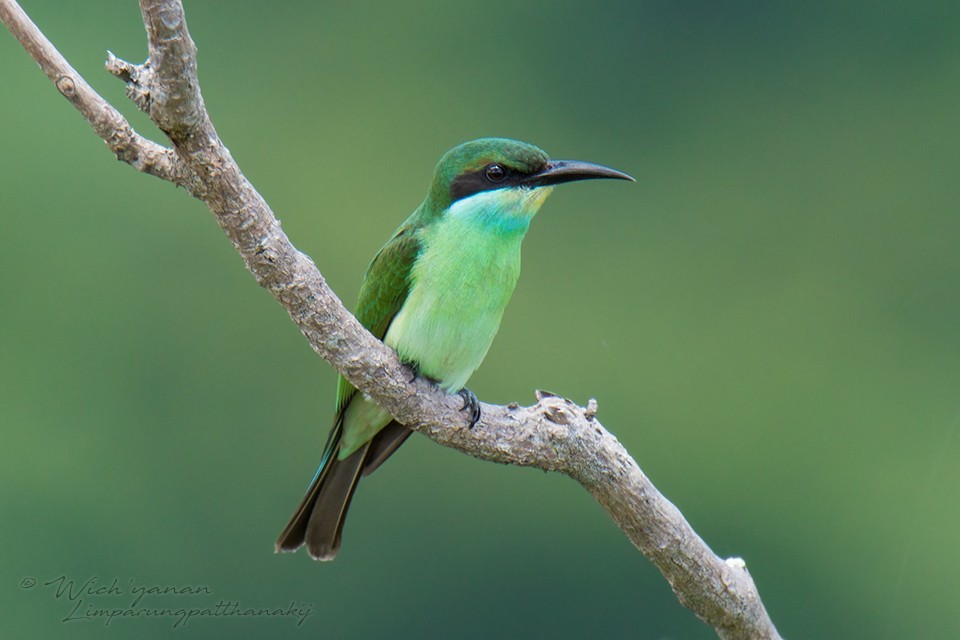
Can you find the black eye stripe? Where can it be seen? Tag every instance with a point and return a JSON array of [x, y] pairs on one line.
[[468, 184]]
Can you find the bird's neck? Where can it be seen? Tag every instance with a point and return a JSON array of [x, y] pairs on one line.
[[501, 213]]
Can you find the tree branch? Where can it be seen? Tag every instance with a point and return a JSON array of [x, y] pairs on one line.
[[554, 434], [142, 154]]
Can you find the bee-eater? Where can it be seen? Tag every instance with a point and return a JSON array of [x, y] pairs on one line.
[[434, 293]]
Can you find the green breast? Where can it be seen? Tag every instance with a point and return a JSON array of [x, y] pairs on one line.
[[460, 286]]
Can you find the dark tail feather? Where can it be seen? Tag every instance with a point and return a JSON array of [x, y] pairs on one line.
[[384, 444], [325, 525], [318, 520]]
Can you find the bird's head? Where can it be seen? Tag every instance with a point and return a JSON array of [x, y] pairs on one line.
[[506, 175]]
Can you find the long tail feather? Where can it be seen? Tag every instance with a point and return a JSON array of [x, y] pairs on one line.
[[325, 525], [318, 520]]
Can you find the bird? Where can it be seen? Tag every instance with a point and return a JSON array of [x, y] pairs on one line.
[[435, 293]]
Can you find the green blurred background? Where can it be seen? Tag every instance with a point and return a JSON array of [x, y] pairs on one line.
[[769, 318]]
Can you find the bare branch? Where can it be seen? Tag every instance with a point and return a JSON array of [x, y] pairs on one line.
[[554, 434], [175, 104], [129, 146]]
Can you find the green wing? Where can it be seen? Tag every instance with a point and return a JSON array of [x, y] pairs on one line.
[[384, 289]]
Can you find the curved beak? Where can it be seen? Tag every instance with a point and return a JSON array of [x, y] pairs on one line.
[[560, 171]]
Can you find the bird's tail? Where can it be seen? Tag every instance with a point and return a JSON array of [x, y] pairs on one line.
[[318, 521]]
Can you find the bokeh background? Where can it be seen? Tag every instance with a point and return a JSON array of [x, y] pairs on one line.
[[769, 318]]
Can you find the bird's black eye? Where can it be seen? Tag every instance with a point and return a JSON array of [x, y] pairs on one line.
[[495, 172]]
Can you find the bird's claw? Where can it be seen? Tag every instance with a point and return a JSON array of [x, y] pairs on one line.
[[471, 403]]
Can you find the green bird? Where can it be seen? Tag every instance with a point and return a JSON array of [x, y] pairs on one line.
[[435, 293]]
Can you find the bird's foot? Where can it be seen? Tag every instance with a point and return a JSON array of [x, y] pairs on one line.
[[471, 403]]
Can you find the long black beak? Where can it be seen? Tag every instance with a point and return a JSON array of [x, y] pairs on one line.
[[560, 171]]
